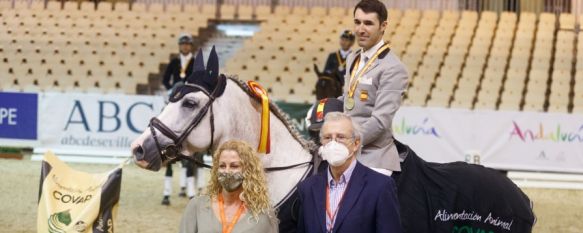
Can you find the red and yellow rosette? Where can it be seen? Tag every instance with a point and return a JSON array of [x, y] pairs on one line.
[[320, 110], [264, 138]]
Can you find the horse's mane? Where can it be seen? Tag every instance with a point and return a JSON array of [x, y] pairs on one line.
[[280, 114]]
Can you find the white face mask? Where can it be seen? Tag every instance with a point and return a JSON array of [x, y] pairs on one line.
[[335, 153]]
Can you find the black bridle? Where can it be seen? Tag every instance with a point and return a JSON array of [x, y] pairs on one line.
[[172, 153]]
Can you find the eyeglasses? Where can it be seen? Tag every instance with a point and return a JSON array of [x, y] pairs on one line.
[[340, 138]]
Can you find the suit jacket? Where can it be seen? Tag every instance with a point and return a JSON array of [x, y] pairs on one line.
[[332, 66], [369, 204], [172, 73], [384, 81]]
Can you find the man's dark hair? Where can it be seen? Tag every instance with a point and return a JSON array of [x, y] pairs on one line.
[[372, 6]]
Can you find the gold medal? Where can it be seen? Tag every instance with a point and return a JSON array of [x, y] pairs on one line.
[[182, 74], [349, 104]]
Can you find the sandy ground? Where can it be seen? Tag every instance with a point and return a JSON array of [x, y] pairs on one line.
[[558, 211]]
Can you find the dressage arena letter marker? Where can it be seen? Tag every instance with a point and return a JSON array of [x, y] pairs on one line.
[[9, 114]]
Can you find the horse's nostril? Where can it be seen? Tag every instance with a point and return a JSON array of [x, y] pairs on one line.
[[139, 153]]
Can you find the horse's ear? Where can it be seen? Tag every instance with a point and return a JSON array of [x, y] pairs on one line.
[[198, 61], [221, 86], [317, 70], [212, 64]]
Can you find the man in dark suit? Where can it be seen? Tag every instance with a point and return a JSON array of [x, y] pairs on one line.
[[336, 62], [349, 197], [180, 67]]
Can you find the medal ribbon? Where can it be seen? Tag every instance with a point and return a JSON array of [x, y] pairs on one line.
[[183, 68], [227, 228], [331, 215], [264, 138], [353, 82], [339, 58]]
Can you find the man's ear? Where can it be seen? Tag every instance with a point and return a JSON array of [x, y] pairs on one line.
[[357, 143], [384, 26]]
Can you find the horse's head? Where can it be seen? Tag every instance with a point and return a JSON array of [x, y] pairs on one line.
[[177, 130], [328, 85]]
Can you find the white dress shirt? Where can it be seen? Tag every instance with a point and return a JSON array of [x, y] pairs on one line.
[[366, 55], [344, 53], [184, 59]]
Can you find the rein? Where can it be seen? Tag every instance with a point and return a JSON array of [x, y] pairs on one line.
[[268, 169]]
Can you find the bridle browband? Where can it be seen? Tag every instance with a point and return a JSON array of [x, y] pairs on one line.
[[172, 153]]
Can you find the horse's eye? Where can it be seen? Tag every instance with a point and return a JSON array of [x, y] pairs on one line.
[[188, 104]]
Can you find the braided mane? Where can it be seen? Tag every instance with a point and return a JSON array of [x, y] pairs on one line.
[[280, 114]]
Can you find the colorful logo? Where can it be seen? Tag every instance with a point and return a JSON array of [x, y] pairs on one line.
[[424, 128], [59, 221], [544, 134]]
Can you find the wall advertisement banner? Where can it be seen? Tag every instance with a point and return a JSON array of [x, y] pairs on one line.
[[94, 122], [18, 118], [531, 141], [499, 139]]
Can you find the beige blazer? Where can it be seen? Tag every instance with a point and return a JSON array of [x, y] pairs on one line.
[[377, 98]]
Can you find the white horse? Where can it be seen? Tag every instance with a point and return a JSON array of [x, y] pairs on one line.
[[238, 114]]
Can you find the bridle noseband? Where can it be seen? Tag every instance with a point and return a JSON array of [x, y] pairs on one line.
[[171, 152]]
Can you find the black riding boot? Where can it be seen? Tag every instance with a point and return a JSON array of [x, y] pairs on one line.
[[166, 200], [182, 192]]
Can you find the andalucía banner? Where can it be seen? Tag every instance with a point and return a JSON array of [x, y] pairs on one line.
[[75, 201]]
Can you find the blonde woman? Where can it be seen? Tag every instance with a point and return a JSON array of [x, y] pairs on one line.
[[236, 198]]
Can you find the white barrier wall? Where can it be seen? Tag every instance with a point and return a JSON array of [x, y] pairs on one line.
[[503, 140], [95, 125]]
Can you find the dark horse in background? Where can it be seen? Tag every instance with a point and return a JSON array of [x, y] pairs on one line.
[[328, 85], [434, 198]]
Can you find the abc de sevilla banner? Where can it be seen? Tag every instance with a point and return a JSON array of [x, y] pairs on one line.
[[94, 122], [500, 139]]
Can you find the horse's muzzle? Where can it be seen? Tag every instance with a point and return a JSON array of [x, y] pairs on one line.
[[146, 155]]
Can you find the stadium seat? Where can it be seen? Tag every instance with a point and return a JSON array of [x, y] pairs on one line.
[[263, 12], [228, 11], [244, 12], [208, 9], [281, 10], [341, 12], [90, 6], [71, 6]]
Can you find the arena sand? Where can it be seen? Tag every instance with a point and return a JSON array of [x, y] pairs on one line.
[[558, 211]]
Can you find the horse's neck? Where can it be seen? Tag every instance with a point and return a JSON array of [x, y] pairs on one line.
[[246, 125], [241, 120]]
